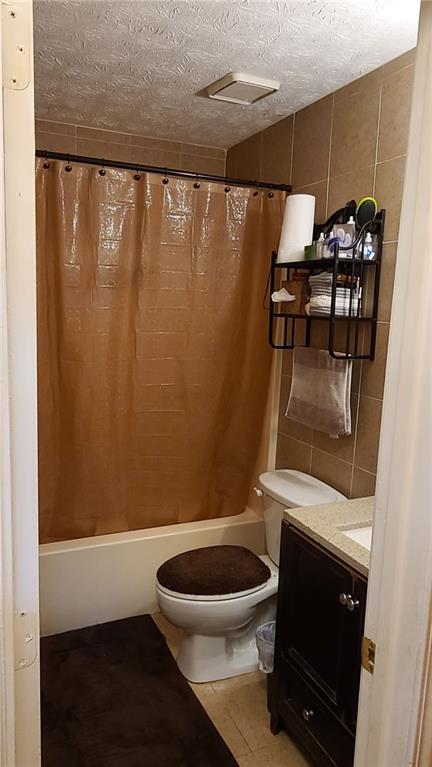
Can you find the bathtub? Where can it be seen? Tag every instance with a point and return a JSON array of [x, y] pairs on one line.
[[94, 580]]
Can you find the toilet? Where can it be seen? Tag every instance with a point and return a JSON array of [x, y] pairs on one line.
[[219, 595]]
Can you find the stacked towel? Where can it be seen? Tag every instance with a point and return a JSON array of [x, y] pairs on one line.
[[321, 293], [321, 392]]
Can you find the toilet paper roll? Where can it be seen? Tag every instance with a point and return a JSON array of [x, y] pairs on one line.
[[297, 227]]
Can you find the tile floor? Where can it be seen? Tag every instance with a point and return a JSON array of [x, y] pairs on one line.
[[238, 709]]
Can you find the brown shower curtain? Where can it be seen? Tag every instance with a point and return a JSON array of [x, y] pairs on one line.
[[153, 357]]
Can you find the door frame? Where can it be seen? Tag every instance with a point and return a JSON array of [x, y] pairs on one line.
[[19, 597], [400, 578], [399, 525]]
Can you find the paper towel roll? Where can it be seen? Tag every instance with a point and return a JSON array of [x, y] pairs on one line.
[[297, 227]]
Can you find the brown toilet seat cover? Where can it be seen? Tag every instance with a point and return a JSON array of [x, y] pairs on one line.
[[213, 570]]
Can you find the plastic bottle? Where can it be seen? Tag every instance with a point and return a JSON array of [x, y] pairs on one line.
[[320, 246], [368, 251]]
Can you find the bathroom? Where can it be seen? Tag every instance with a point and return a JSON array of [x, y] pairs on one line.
[[166, 368]]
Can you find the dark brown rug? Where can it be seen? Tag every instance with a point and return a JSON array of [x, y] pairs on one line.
[[112, 696]]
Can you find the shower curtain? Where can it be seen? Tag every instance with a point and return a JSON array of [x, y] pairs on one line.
[[153, 354]]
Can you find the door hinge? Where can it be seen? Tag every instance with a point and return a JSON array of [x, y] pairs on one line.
[[368, 654], [25, 627], [15, 46]]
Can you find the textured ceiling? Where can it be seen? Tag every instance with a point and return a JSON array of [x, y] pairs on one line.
[[136, 66]]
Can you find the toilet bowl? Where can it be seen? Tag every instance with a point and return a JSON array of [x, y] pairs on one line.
[[219, 629]]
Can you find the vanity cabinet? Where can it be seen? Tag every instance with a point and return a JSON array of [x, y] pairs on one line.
[[313, 691]]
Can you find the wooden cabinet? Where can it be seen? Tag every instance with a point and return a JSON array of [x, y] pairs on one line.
[[313, 691]]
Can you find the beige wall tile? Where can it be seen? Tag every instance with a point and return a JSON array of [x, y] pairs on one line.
[[285, 389], [112, 137], [287, 357], [369, 422], [49, 126], [344, 446], [373, 373], [350, 186], [199, 164], [388, 266], [319, 191], [158, 157], [363, 484], [204, 151], [354, 135], [276, 152], [312, 142], [292, 454], [388, 192], [294, 429], [155, 143], [332, 470], [56, 142], [395, 114], [102, 149], [244, 159]]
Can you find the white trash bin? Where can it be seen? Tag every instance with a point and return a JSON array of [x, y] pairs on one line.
[[265, 639]]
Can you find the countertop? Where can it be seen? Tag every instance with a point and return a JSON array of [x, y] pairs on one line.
[[325, 525]]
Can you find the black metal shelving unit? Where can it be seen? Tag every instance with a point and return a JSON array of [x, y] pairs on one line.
[[351, 335]]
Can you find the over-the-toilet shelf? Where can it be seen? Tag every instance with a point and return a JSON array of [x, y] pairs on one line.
[[330, 302]]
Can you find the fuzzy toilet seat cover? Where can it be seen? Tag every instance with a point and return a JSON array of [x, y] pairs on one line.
[[213, 570]]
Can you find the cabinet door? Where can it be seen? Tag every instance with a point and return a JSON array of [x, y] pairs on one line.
[[311, 621], [352, 652]]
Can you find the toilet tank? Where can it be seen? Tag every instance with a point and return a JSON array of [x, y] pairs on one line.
[[286, 489]]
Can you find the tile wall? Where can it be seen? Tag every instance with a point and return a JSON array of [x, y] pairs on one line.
[[349, 144], [127, 147]]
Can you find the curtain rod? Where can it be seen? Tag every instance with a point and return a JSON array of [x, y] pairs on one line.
[[82, 160]]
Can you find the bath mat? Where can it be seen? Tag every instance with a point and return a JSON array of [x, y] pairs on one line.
[[112, 696]]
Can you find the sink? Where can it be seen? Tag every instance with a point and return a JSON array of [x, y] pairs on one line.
[[361, 535]]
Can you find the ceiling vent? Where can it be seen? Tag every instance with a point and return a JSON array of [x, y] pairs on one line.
[[241, 89]]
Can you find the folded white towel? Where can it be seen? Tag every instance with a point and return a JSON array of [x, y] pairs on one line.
[[321, 392], [282, 295]]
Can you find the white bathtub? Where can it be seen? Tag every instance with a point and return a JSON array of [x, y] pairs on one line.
[[93, 580]]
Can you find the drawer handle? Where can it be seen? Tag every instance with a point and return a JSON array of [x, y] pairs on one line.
[[307, 714], [352, 604], [343, 598]]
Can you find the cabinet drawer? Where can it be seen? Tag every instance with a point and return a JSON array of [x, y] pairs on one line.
[[313, 721]]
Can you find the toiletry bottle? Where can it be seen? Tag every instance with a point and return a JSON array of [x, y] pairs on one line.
[[320, 246], [368, 250]]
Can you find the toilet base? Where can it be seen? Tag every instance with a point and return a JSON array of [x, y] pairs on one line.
[[207, 659]]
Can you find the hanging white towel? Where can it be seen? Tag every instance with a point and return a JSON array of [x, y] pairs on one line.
[[321, 392]]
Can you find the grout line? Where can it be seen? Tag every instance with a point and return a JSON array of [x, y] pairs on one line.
[[292, 149], [355, 431], [390, 159], [329, 155], [377, 140]]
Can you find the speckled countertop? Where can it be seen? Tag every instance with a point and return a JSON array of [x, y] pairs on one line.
[[325, 525]]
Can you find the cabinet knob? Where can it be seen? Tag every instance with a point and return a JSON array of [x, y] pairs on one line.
[[343, 598], [307, 714], [352, 604]]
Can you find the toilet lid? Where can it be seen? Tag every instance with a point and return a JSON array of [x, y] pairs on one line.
[[213, 571]]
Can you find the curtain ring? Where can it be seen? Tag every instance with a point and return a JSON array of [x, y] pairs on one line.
[[197, 183], [255, 194], [137, 175], [102, 171], [165, 180], [68, 167], [227, 188], [271, 194], [46, 163]]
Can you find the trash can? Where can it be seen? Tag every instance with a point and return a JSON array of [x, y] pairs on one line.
[[265, 639]]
